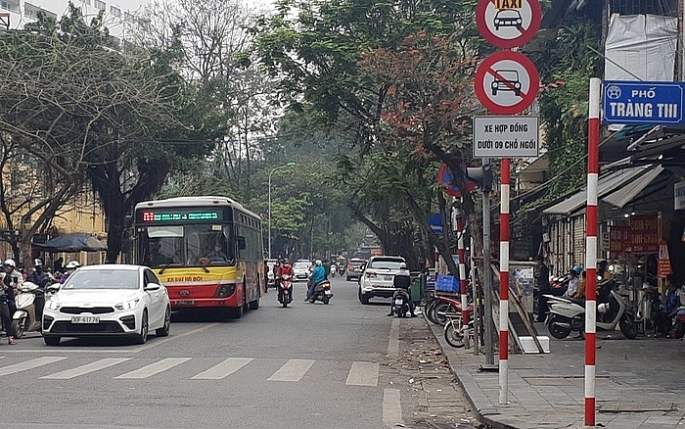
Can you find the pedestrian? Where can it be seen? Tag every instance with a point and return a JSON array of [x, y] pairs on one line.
[[580, 293], [574, 282], [541, 277], [669, 307]]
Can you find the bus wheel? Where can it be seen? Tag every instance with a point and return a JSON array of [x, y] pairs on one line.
[[254, 304]]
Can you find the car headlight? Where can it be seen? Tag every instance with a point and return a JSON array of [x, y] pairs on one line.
[[52, 304], [127, 305]]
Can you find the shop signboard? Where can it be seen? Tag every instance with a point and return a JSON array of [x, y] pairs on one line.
[[664, 269], [679, 195], [644, 234], [619, 240]]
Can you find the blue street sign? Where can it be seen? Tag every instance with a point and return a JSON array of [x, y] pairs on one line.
[[435, 222], [647, 103]]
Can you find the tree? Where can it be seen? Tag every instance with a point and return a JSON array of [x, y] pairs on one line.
[[89, 111]]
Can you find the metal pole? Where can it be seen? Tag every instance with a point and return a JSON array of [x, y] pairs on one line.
[[487, 278], [591, 251], [477, 314], [272, 171], [504, 284], [462, 277]]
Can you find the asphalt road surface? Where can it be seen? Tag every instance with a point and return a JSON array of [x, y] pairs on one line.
[[308, 365]]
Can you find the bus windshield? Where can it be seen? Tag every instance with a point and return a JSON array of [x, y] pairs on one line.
[[187, 245]]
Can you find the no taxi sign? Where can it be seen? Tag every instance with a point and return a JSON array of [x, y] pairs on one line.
[[508, 23], [506, 83]]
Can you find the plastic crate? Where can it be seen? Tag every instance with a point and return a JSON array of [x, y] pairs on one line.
[[447, 284]]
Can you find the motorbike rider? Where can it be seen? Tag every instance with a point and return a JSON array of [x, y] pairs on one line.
[[402, 280], [70, 268], [12, 279], [317, 276], [42, 279]]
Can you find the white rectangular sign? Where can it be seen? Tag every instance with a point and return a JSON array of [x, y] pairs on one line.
[[679, 195], [505, 136]]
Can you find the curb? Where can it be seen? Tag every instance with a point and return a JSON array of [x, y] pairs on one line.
[[473, 392]]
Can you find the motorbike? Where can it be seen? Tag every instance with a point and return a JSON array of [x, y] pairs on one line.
[[333, 270], [322, 292], [568, 314], [400, 302], [24, 318], [285, 290]]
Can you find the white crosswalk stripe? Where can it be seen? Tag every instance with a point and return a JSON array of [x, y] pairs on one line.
[[152, 369], [293, 370], [29, 364], [363, 374], [223, 370], [86, 369]]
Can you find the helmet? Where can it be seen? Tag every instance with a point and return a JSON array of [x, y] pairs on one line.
[[318, 262], [11, 263], [73, 265], [577, 270], [37, 263]]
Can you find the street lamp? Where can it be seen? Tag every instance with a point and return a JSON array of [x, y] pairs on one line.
[[290, 164]]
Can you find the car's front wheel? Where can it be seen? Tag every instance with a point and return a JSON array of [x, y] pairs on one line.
[[164, 330], [141, 338], [52, 341], [362, 297]]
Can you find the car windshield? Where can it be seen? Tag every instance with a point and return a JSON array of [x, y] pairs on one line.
[[301, 265], [390, 264], [105, 278]]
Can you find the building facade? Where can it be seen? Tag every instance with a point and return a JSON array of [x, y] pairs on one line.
[[118, 13]]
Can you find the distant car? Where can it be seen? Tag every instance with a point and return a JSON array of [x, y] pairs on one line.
[[105, 301], [507, 18], [378, 279], [354, 269], [301, 270], [506, 80]]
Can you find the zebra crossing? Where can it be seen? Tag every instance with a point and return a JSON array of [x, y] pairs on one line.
[[288, 371]]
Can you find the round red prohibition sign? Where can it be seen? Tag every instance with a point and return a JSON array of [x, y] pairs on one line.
[[506, 83], [508, 23]]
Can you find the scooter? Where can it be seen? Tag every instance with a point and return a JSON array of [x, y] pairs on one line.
[[285, 290], [24, 318], [568, 314], [333, 270], [400, 302], [322, 292]]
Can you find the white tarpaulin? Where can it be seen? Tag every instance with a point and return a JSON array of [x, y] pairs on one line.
[[645, 45]]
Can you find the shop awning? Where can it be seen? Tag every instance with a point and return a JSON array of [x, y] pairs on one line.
[[627, 193], [606, 185]]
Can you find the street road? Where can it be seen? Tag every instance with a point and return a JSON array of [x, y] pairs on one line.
[[309, 365]]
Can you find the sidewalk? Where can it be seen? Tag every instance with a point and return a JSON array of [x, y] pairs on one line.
[[640, 384]]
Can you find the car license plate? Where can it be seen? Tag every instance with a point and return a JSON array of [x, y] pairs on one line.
[[387, 278], [398, 301], [85, 319], [181, 302], [328, 292]]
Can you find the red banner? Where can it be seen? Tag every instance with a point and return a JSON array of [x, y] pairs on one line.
[[644, 234], [619, 240]]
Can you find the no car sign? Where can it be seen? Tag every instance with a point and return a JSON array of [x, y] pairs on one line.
[[508, 23], [506, 83]]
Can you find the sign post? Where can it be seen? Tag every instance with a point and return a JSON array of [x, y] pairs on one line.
[[506, 83]]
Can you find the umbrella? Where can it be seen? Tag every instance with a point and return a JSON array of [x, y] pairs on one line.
[[75, 242]]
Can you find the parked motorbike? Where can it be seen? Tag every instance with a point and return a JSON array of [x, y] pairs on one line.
[[24, 318], [322, 292], [568, 314], [285, 290], [400, 302]]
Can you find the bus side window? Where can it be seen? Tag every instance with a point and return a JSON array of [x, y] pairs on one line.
[[241, 243]]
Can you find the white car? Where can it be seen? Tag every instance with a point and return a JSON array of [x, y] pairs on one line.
[[105, 301], [378, 278], [301, 270]]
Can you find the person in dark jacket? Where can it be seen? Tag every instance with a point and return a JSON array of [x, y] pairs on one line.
[[541, 277], [41, 278]]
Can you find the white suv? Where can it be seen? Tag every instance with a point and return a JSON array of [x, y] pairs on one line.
[[378, 277]]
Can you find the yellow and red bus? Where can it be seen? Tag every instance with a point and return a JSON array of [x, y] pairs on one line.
[[208, 251]]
